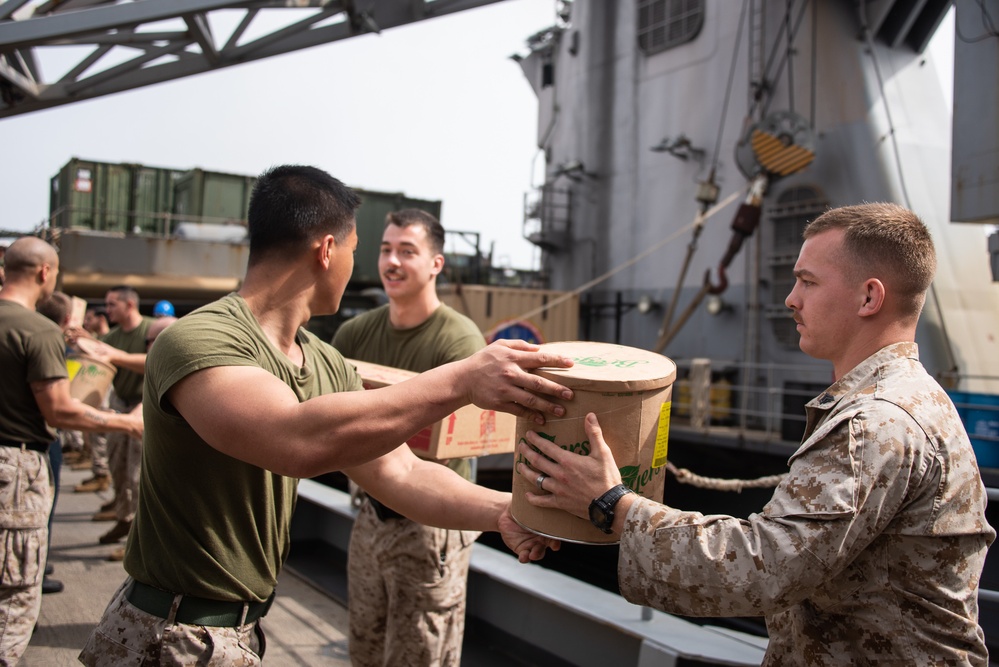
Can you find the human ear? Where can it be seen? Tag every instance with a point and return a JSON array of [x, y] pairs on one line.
[[326, 247], [874, 297]]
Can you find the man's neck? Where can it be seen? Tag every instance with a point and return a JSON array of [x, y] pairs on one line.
[[866, 343], [24, 296], [280, 305], [409, 313]]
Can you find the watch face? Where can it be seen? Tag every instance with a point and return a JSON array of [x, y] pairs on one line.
[[598, 517]]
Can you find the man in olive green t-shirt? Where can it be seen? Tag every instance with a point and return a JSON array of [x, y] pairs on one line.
[[242, 401], [34, 399], [404, 577], [128, 338]]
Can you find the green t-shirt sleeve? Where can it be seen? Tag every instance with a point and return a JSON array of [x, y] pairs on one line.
[[46, 355], [192, 345]]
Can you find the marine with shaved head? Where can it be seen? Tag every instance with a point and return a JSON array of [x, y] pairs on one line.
[[34, 400]]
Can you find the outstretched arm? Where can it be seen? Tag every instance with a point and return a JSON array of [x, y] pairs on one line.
[[61, 410], [251, 415], [435, 495]]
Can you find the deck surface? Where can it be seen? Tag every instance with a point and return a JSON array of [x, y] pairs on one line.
[[304, 626]]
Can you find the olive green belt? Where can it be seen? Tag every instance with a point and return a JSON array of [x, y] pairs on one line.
[[194, 610]]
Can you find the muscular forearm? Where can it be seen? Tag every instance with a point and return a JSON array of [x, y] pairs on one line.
[[77, 416], [341, 430], [135, 362], [380, 419], [131, 362], [430, 493]]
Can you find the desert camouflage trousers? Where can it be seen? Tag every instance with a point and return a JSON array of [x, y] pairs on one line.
[[25, 503], [406, 592], [124, 459], [128, 637]]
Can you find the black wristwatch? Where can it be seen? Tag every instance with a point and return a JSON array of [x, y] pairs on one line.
[[602, 508]]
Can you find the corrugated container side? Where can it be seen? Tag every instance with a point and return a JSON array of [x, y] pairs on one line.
[[72, 196], [213, 197], [111, 197], [112, 205], [152, 199], [499, 311]]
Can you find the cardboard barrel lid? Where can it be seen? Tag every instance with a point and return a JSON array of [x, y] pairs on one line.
[[609, 367]]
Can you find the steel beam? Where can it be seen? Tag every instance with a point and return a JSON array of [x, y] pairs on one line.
[[105, 26]]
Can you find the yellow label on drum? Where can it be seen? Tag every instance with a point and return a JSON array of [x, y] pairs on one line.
[[73, 367], [662, 436]]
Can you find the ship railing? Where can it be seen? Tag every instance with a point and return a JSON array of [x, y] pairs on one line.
[[751, 402], [765, 403]]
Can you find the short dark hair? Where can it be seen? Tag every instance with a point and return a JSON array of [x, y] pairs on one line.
[[414, 216], [126, 292], [100, 312], [888, 242], [56, 307], [293, 205]]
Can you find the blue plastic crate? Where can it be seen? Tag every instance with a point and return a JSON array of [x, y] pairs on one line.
[[980, 414]]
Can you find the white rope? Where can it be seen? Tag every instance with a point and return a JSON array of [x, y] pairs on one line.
[[684, 476]]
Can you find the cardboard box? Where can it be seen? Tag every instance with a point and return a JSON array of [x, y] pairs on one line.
[[77, 312], [499, 312], [467, 432]]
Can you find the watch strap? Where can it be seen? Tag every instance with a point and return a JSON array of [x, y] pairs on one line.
[[604, 506]]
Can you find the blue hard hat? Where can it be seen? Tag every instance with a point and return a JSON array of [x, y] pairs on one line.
[[163, 309]]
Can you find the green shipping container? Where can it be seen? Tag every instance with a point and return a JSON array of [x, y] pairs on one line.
[[370, 223], [212, 197], [112, 197]]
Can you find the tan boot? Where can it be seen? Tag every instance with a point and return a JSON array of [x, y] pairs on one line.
[[95, 483], [82, 464], [71, 457], [118, 531], [105, 515], [117, 555]]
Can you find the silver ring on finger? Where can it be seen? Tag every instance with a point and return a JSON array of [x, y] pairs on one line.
[[540, 481]]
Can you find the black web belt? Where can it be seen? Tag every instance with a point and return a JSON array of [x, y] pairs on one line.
[[196, 611], [33, 446]]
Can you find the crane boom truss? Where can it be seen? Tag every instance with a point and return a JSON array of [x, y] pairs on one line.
[[136, 43]]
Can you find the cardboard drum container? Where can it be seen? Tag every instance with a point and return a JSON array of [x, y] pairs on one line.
[[89, 379], [630, 391]]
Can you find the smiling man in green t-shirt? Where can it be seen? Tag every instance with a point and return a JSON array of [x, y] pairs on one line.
[[240, 401], [404, 577]]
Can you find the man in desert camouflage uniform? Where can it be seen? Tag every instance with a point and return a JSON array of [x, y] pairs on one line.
[[406, 581], [871, 549], [34, 399]]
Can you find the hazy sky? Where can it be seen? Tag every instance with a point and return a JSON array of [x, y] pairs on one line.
[[435, 109]]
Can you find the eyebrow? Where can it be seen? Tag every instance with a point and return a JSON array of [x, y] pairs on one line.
[[409, 244], [803, 273]]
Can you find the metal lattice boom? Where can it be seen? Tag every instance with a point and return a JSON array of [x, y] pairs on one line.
[[135, 43]]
